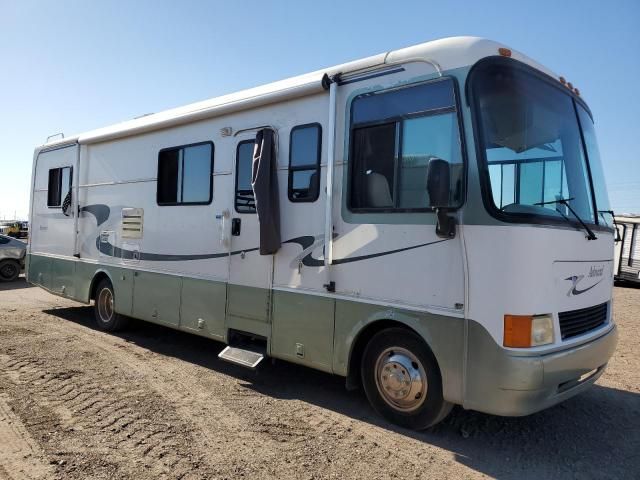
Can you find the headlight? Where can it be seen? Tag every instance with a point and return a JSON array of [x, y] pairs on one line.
[[523, 331]]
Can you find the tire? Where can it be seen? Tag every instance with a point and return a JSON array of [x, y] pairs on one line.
[[106, 317], [9, 270], [402, 380]]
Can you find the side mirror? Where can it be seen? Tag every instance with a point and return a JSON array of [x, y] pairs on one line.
[[438, 182], [438, 188]]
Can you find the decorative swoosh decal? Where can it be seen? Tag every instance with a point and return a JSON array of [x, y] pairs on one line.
[[575, 279], [308, 243], [100, 211]]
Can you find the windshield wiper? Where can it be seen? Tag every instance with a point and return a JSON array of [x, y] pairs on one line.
[[565, 202]]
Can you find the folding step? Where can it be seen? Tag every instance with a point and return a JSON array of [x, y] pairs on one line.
[[240, 356]]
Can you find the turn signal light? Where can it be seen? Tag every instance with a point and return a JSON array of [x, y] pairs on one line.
[[517, 331], [523, 331]]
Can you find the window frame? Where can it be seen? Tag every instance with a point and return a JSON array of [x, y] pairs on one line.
[[455, 108], [301, 168], [235, 187], [179, 147], [481, 156], [60, 198]]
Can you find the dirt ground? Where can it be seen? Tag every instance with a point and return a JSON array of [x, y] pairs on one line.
[[152, 403]]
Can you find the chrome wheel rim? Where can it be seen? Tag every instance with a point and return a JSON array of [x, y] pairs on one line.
[[401, 379], [105, 305]]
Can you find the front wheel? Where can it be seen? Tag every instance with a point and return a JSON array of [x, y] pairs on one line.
[[402, 380], [104, 308]]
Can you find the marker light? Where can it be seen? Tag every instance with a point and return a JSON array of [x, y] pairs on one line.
[[577, 91], [570, 85], [563, 80], [523, 331], [505, 52]]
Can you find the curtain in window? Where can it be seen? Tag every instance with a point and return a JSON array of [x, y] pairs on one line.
[[264, 181]]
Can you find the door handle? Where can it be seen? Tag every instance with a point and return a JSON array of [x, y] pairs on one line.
[[235, 226]]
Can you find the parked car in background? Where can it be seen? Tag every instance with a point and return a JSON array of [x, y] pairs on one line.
[[12, 253]]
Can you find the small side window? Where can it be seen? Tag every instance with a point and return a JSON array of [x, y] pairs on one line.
[[59, 186], [245, 201], [304, 163], [185, 175]]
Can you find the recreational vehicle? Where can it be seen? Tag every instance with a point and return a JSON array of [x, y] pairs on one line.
[[627, 251], [430, 223]]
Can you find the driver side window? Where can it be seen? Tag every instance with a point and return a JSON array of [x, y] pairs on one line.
[[395, 135]]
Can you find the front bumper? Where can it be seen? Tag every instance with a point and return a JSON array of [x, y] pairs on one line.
[[503, 382]]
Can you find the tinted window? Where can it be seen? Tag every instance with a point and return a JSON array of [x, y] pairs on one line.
[[304, 163], [59, 186], [395, 134], [245, 201], [597, 174], [185, 175]]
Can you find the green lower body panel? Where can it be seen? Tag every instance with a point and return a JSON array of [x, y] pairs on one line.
[[39, 270], [303, 329], [156, 297], [202, 307], [63, 276], [309, 329], [248, 309]]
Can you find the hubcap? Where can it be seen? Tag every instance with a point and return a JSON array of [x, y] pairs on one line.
[[401, 379], [105, 305]]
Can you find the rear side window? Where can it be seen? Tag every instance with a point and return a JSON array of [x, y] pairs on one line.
[[59, 186], [304, 163], [185, 175], [245, 200]]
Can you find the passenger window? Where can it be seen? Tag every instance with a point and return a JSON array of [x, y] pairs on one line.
[[394, 136], [59, 186], [245, 201], [185, 175], [304, 163]]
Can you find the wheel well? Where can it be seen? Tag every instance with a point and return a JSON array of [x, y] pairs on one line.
[[360, 343], [95, 282]]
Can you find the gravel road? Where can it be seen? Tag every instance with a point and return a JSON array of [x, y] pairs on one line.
[[152, 403]]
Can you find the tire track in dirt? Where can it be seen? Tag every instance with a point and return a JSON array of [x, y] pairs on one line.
[[50, 394]]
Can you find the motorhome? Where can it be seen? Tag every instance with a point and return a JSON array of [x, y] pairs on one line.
[[627, 250], [430, 223]]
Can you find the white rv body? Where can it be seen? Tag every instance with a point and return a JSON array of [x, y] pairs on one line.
[[180, 265]]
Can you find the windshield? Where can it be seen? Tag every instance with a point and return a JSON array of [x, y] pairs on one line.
[[533, 146]]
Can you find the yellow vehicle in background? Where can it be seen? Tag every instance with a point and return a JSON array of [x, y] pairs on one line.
[[14, 229]]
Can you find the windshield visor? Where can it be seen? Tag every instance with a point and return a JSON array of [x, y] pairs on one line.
[[531, 146]]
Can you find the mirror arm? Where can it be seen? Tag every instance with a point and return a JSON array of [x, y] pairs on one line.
[[446, 225]]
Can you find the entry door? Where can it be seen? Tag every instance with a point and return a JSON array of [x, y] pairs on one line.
[[250, 274]]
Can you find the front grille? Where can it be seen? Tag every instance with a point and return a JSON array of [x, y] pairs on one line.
[[577, 322]]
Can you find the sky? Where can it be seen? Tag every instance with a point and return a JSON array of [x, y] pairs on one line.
[[72, 66]]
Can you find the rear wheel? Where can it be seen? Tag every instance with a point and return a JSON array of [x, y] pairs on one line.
[[402, 379], [9, 270], [104, 308]]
